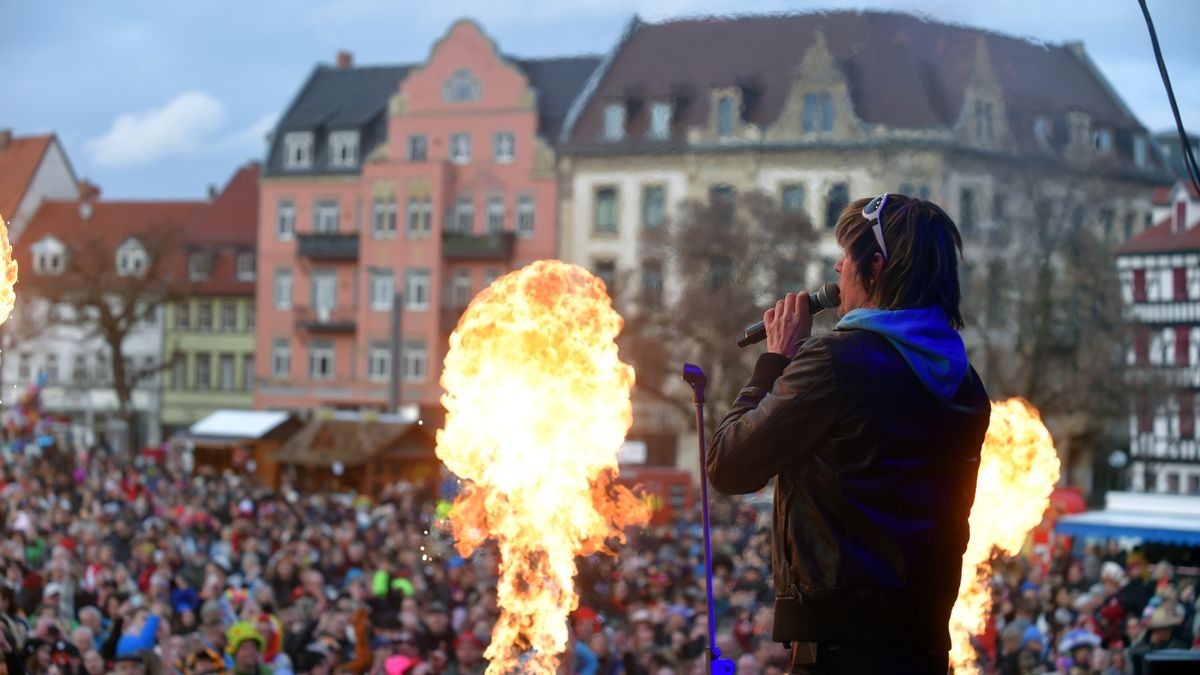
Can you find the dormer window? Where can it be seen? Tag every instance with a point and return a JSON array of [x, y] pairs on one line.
[[298, 150], [1041, 131], [1139, 151], [818, 112], [462, 87], [49, 257], [1180, 219], [660, 121], [131, 258], [245, 266], [1102, 141], [343, 149], [199, 265], [614, 121], [725, 116], [985, 130]]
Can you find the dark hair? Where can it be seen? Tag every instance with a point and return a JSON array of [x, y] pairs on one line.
[[923, 246]]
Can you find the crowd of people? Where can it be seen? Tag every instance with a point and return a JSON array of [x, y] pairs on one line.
[[137, 568]]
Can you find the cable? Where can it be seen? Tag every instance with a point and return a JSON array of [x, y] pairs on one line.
[[1189, 159]]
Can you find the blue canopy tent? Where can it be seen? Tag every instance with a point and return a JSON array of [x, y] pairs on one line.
[[1166, 519]]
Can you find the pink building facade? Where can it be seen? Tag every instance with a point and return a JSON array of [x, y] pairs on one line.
[[391, 195]]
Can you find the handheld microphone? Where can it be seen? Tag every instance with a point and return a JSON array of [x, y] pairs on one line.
[[825, 297]]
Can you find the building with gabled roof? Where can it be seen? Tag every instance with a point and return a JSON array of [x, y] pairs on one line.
[[32, 169], [1160, 284], [422, 182]]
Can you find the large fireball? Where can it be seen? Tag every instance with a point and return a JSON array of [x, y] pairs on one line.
[[1018, 468], [537, 406], [8, 274]]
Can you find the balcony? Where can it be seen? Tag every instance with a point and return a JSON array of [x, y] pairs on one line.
[[467, 246], [325, 320], [329, 246]]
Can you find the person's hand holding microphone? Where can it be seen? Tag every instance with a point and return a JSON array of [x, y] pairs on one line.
[[787, 323]]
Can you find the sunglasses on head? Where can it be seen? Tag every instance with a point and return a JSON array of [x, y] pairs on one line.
[[873, 211]]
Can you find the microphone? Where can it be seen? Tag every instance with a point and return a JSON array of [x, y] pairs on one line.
[[825, 297]]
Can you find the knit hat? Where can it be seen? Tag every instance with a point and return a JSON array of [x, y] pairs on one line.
[[242, 631]]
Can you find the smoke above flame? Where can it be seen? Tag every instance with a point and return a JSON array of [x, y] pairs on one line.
[[8, 275], [1018, 468], [537, 406]]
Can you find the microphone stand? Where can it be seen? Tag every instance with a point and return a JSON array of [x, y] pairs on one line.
[[694, 376]]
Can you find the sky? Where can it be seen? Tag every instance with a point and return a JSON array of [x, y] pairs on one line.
[[158, 99]]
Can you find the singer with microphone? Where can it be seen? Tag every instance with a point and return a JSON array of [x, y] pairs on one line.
[[872, 433]]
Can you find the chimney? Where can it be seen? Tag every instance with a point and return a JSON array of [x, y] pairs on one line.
[[212, 192], [5, 138], [345, 60], [88, 191]]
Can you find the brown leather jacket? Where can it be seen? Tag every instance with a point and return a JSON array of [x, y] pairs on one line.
[[875, 481]]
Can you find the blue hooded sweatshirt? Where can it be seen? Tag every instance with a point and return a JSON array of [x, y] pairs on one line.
[[933, 349]]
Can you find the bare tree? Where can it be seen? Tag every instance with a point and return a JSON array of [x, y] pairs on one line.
[[100, 301], [728, 258]]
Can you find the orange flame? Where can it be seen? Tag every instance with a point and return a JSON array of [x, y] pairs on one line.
[[537, 405], [1018, 468], [8, 275]]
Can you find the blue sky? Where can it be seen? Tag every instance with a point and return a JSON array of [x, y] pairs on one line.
[[160, 98]]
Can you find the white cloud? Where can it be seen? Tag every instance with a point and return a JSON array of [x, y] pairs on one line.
[[177, 128], [252, 139]]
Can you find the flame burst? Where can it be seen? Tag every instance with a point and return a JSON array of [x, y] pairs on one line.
[[537, 405], [1018, 468], [8, 275]]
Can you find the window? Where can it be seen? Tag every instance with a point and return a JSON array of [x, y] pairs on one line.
[[343, 149], [379, 362], [49, 256], [199, 265], [720, 272], [461, 87], [413, 365], [720, 198], [460, 288], [183, 315], [1180, 216], [285, 220], [652, 283], [835, 201], [605, 216], [245, 266], [818, 112], [418, 147], [420, 217], [298, 150], [464, 214], [179, 368], [250, 311], [1183, 345], [247, 372], [653, 207], [25, 367], [283, 288], [491, 274], [131, 259], [383, 218], [1193, 484], [495, 214], [791, 198], [229, 316], [324, 290], [416, 288], [1172, 482], [383, 290], [203, 371], [51, 368], [79, 369], [966, 210], [320, 360], [1102, 141], [660, 121], [226, 369], [1139, 151], [460, 148], [614, 121], [724, 116], [103, 368], [503, 147], [607, 271], [984, 128], [281, 358], [524, 216], [325, 216], [1179, 284], [204, 315]]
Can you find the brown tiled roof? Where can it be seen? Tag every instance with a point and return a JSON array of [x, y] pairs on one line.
[[1162, 195], [19, 160], [902, 71], [229, 226], [324, 441], [1160, 239], [106, 227]]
